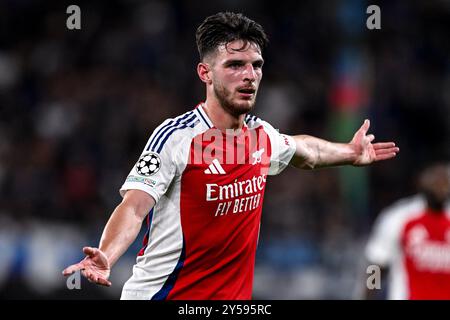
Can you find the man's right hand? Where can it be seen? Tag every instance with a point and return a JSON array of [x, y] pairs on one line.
[[121, 230], [95, 267]]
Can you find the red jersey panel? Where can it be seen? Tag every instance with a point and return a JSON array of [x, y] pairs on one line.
[[426, 245], [220, 217]]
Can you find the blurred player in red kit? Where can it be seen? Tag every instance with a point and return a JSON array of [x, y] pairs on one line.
[[201, 178], [411, 240]]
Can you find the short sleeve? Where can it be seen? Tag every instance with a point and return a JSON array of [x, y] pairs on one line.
[[156, 166], [384, 242], [283, 149]]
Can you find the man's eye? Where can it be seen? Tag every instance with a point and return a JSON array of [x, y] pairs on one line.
[[258, 65]]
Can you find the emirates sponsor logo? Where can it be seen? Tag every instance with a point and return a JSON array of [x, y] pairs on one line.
[[237, 197], [237, 189], [428, 255]]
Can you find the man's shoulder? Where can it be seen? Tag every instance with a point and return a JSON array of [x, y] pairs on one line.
[[403, 210], [174, 129], [254, 122], [411, 203], [187, 118]]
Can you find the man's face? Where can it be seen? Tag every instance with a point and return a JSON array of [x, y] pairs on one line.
[[436, 184], [236, 73]]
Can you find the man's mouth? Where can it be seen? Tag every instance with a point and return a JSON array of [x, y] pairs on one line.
[[246, 91]]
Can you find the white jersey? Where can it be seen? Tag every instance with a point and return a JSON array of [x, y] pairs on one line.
[[386, 245]]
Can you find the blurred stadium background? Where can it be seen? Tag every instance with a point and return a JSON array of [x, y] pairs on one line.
[[76, 109]]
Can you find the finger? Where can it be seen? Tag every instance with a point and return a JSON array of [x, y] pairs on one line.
[[385, 156], [97, 279], [381, 145], [371, 137], [90, 277], [104, 282], [88, 274], [89, 251], [387, 150], [85, 273], [71, 269], [365, 126]]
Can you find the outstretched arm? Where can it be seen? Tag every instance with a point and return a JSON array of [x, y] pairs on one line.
[[119, 233], [312, 152]]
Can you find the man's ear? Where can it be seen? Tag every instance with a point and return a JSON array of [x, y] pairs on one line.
[[203, 71]]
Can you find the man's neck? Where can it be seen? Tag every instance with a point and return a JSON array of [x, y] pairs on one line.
[[435, 209], [220, 118]]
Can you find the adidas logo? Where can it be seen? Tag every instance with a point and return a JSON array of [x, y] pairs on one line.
[[215, 168]]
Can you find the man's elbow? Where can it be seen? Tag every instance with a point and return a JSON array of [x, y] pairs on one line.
[[303, 163], [305, 156]]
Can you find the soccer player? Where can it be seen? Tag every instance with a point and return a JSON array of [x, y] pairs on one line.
[[201, 178], [411, 240]]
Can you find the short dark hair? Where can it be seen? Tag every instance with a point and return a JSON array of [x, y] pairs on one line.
[[224, 27]]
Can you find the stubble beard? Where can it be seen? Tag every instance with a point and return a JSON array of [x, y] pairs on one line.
[[224, 97]]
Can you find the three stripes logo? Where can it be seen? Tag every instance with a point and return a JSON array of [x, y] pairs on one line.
[[215, 168]]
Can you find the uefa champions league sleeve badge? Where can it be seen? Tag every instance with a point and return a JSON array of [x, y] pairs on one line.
[[148, 164]]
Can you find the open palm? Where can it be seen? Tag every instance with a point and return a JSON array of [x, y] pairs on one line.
[[95, 267], [368, 152]]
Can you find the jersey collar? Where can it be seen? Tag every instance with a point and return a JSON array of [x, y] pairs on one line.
[[204, 117]]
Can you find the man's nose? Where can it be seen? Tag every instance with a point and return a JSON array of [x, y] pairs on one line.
[[249, 73]]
